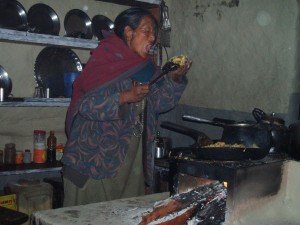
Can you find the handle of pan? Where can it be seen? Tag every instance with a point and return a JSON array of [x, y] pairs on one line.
[[200, 120], [198, 136]]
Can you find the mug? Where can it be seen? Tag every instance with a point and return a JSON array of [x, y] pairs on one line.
[[69, 78]]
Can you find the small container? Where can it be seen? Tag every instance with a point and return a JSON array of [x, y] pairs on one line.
[[59, 151], [19, 157], [27, 156], [39, 146], [9, 153]]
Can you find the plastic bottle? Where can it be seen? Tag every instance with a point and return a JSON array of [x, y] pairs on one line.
[[39, 152], [51, 148]]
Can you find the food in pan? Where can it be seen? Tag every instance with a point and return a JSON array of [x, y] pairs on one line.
[[179, 60], [221, 144]]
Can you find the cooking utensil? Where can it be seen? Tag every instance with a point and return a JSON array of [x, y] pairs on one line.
[[78, 24], [168, 67], [5, 83], [276, 127], [245, 133], [100, 23], [43, 19], [50, 66], [211, 153], [13, 15], [199, 137]]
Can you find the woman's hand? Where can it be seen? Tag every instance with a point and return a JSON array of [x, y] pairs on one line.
[[136, 94], [181, 71]]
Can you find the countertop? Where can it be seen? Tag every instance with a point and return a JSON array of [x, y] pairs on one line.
[[117, 212]]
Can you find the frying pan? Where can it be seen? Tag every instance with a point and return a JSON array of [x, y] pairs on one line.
[[43, 19], [249, 134], [5, 82], [230, 154], [99, 23], [13, 15], [78, 24], [212, 153]]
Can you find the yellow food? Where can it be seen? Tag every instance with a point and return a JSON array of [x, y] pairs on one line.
[[221, 144], [179, 60]]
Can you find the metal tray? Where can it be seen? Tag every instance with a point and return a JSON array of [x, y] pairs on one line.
[[50, 66], [13, 15]]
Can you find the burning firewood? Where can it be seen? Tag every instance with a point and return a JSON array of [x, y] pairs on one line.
[[180, 208]]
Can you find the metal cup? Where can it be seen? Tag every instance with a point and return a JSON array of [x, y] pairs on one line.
[[39, 92]]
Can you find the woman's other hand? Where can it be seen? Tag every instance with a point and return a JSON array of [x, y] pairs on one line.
[[181, 71], [136, 94]]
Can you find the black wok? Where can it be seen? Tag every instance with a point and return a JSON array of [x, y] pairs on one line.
[[78, 24], [101, 23], [246, 133], [13, 15], [43, 19], [199, 150]]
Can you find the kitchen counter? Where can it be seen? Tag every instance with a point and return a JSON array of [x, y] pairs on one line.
[[117, 212]]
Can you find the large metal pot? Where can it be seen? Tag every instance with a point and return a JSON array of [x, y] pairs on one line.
[[249, 134], [276, 127]]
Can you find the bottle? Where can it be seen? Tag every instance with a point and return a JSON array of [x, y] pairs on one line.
[[39, 146], [27, 156], [9, 153], [51, 148]]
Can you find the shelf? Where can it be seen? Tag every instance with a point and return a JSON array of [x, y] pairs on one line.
[[140, 3], [38, 102], [29, 168], [26, 37]]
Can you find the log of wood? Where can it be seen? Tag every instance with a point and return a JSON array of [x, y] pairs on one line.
[[178, 209]]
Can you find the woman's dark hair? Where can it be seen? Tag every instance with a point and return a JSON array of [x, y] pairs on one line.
[[131, 17]]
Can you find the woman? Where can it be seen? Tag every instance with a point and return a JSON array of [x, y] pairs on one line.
[[104, 124]]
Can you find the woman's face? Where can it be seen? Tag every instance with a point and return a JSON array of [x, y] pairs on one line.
[[142, 38]]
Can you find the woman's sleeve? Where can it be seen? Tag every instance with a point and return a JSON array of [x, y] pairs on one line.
[[102, 105], [166, 93]]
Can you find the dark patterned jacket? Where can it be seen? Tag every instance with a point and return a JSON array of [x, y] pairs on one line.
[[102, 129]]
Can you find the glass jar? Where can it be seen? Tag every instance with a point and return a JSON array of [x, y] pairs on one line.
[[9, 153], [39, 146], [27, 156], [19, 157]]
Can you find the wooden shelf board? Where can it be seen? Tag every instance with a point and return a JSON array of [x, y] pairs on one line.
[[26, 37]]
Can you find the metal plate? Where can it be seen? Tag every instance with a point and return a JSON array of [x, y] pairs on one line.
[[12, 15], [5, 82], [100, 23], [50, 66], [78, 24], [43, 19]]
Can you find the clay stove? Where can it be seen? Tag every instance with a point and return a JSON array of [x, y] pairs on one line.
[[248, 182]]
